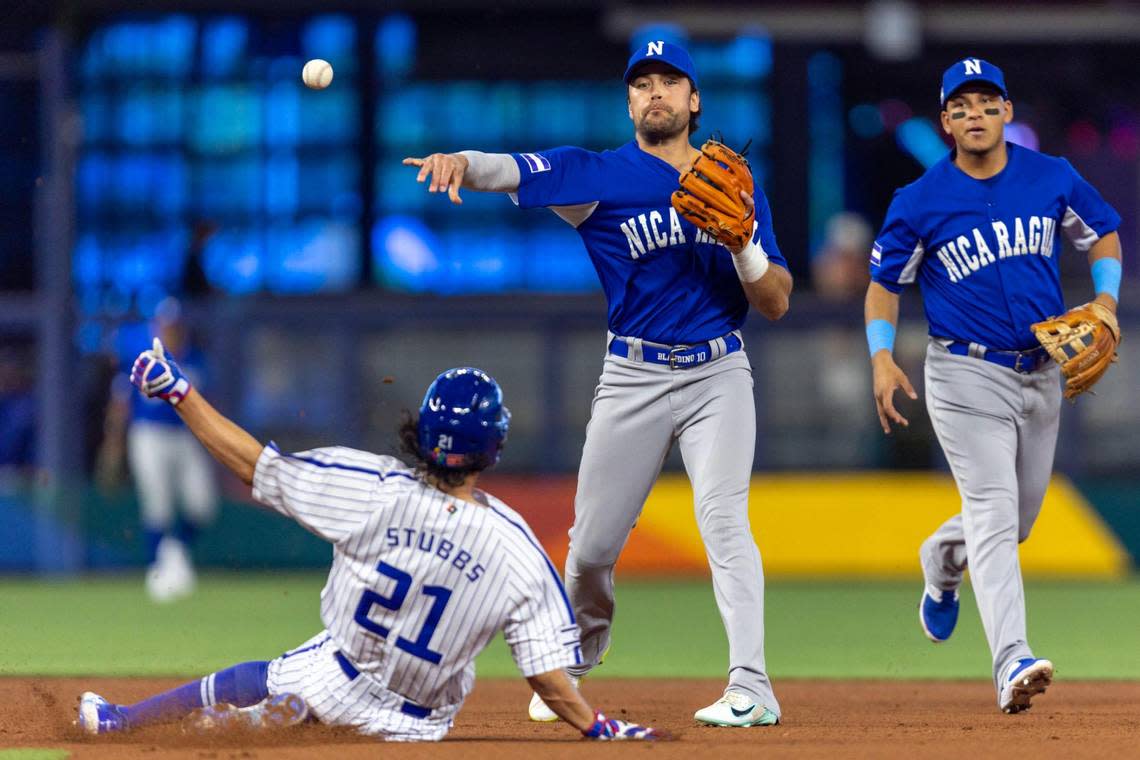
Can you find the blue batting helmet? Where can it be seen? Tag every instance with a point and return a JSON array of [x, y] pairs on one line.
[[462, 419]]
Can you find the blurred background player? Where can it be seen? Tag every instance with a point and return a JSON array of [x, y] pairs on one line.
[[426, 570], [978, 232], [177, 489], [674, 370]]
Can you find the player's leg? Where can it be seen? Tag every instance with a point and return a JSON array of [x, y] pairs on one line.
[[974, 408], [192, 473], [197, 486], [155, 491], [242, 685], [152, 464], [1037, 443], [628, 436], [717, 439], [943, 555]]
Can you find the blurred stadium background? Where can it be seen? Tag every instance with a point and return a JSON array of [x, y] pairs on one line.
[[169, 149]]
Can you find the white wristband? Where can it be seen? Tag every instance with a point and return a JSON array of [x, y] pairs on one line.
[[751, 263]]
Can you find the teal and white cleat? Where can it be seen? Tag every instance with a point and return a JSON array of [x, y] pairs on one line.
[[736, 710]]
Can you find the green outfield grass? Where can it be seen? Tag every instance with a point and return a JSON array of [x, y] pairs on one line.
[[105, 626]]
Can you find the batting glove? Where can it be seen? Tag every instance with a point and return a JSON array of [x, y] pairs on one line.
[[157, 376], [607, 729]]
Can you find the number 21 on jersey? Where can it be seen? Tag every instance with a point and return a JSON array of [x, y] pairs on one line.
[[420, 646]]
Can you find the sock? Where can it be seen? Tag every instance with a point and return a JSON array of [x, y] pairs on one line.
[[151, 540], [185, 531], [241, 685]]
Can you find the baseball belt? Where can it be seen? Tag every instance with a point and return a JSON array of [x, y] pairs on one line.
[[1023, 362], [675, 357], [351, 672]]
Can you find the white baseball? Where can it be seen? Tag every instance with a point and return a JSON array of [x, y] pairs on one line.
[[317, 74]]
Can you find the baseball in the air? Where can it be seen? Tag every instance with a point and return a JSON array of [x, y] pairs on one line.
[[317, 74]]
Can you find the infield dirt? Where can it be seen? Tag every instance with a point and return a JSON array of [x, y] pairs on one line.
[[832, 719]]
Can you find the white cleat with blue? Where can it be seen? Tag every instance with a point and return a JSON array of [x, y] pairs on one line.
[[1023, 680]]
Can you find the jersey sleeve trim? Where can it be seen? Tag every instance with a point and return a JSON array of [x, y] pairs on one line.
[[546, 559], [910, 269], [1079, 233]]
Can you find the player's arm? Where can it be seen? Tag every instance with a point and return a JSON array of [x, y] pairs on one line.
[[158, 376], [561, 697], [112, 450], [768, 288], [472, 169], [881, 313], [1104, 260], [567, 703], [226, 441]]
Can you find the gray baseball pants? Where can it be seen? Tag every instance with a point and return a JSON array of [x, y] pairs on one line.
[[998, 430], [639, 410]]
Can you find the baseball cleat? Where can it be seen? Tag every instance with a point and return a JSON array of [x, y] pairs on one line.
[[736, 710], [278, 711], [539, 712], [98, 716], [938, 613], [1026, 678]]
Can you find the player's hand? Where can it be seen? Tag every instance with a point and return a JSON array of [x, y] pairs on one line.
[[888, 377], [751, 206], [608, 729], [157, 376], [446, 171]]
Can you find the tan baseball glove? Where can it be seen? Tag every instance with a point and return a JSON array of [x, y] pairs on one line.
[[710, 195], [1083, 341]]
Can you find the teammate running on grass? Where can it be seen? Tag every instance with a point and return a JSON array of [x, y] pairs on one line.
[[978, 232], [426, 570], [675, 370]]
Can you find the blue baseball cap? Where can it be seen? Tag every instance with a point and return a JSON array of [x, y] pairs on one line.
[[671, 55], [970, 70]]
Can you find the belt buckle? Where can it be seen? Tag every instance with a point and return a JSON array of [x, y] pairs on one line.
[[1017, 363], [673, 356]]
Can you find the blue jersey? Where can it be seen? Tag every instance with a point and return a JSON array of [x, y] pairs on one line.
[[665, 281], [984, 251]]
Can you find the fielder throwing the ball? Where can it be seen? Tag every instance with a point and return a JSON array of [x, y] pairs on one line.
[[680, 268], [978, 232], [426, 570]]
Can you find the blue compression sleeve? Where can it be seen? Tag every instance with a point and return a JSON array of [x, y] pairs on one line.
[[880, 335], [1106, 277]]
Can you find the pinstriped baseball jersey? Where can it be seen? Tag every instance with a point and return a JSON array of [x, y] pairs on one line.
[[420, 581]]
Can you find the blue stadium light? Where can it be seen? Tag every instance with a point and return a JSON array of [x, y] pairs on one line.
[[406, 253], [674, 33], [395, 45], [1020, 133], [865, 121], [332, 37], [751, 54], [224, 42], [918, 137]]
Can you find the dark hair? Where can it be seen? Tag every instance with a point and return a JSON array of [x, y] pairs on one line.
[[409, 437]]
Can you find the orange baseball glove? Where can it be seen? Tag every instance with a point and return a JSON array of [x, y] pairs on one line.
[[710, 195]]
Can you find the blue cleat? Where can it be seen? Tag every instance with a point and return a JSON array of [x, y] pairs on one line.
[[1024, 679], [938, 613], [98, 716]]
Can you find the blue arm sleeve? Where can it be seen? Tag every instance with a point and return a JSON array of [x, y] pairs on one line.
[[563, 176], [1088, 217], [897, 252], [765, 235]]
